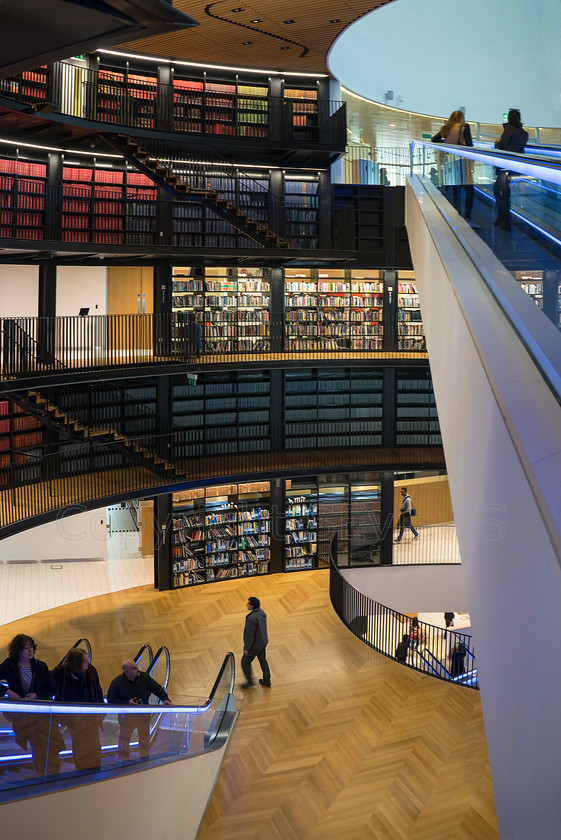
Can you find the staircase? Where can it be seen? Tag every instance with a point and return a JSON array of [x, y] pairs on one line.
[[52, 417], [198, 189]]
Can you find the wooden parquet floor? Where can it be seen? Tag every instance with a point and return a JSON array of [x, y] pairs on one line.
[[347, 744]]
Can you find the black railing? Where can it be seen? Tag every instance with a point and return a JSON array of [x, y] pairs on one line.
[[116, 215], [194, 107], [38, 347], [35, 347], [41, 481], [439, 652]]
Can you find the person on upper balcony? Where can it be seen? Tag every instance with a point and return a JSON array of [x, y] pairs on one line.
[[456, 132], [513, 139]]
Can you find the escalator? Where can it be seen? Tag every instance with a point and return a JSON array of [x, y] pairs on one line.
[[177, 732]]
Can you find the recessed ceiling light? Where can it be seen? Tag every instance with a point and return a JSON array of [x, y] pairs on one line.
[[290, 21], [256, 20], [245, 43], [285, 48], [392, 125], [237, 10], [335, 20]]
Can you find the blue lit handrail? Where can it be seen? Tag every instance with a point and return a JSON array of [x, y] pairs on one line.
[[535, 166]]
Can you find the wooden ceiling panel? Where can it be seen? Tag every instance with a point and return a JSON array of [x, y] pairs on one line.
[[273, 44]]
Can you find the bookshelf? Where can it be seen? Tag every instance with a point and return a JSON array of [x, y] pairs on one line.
[[416, 414], [22, 199], [303, 106], [223, 413], [252, 111], [366, 310], [188, 105], [333, 309], [410, 334], [302, 211], [110, 96], [220, 532], [142, 97], [301, 527], [328, 408], [231, 304], [531, 282], [140, 209]]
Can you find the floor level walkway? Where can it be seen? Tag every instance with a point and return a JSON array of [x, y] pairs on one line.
[[347, 744]]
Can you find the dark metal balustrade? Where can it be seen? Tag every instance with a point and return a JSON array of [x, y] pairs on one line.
[[444, 654], [143, 103]]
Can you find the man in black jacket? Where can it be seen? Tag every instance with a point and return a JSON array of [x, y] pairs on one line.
[[513, 139], [255, 641], [133, 687]]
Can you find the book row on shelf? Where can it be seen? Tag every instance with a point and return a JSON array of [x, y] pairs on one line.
[[215, 537], [321, 308]]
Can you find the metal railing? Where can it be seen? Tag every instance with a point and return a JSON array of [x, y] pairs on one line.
[[39, 347], [438, 652], [36, 347], [107, 215], [140, 102], [41, 482]]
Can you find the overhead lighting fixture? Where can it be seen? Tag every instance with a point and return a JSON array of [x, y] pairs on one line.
[[335, 20], [290, 21], [285, 48], [245, 43], [179, 63], [256, 20], [237, 10]]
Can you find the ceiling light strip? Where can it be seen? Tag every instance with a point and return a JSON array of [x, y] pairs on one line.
[[213, 66]]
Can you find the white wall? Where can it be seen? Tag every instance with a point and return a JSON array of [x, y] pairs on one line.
[[79, 286], [500, 428], [19, 291], [439, 55], [81, 536], [411, 589], [161, 803]]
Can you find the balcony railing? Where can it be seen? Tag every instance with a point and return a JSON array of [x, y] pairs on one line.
[[191, 107], [36, 347], [441, 653]]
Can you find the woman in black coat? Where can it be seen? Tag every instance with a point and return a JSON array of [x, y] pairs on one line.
[[29, 679], [513, 139], [77, 682]]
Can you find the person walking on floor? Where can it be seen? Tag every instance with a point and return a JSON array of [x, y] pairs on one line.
[[404, 520], [255, 640]]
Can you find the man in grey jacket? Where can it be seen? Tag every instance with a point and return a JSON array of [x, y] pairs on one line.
[[255, 641]]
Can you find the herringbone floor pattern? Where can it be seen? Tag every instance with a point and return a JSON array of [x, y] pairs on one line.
[[347, 744]]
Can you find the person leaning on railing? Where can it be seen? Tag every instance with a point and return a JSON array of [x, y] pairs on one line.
[[134, 687], [77, 682], [30, 679]]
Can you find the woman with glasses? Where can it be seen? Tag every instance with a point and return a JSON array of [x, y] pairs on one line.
[[30, 679]]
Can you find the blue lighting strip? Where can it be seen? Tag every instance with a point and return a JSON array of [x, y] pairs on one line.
[[522, 218], [541, 170], [58, 708]]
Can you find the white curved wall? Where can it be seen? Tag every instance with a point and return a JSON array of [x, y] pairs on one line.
[[439, 55]]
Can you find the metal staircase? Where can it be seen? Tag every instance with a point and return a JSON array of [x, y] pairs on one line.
[[186, 178], [59, 421]]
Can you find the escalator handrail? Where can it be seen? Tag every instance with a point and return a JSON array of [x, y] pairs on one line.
[[162, 651], [228, 659], [144, 647], [60, 707], [77, 644]]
